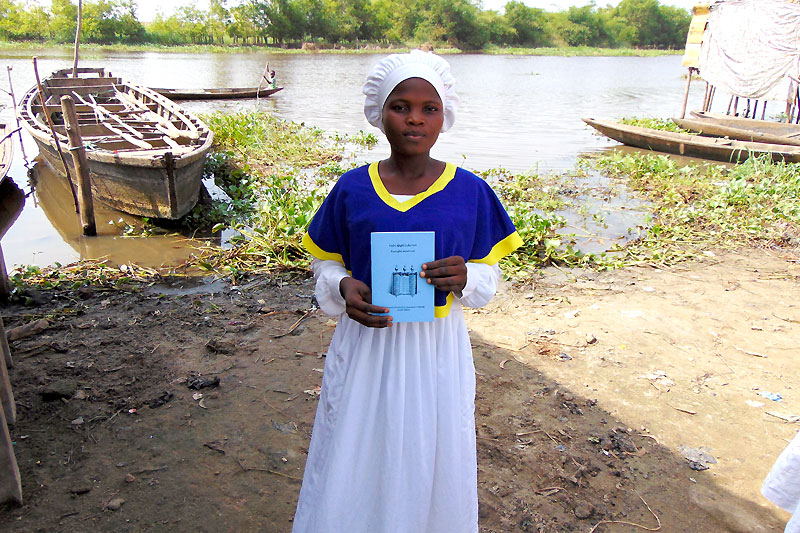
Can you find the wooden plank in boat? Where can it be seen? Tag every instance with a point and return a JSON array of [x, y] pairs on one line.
[[80, 82], [69, 90], [118, 109]]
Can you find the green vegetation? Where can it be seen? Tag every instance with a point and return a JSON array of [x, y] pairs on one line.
[[698, 207], [354, 24], [83, 274], [663, 124], [275, 175]]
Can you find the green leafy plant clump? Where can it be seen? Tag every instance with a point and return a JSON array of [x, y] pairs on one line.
[[662, 124]]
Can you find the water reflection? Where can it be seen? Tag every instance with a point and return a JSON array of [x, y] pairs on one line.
[[522, 113], [54, 198]]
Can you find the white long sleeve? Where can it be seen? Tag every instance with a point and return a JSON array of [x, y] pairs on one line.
[[482, 280], [481, 285], [327, 275]]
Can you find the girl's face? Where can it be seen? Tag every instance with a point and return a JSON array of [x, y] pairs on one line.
[[412, 117]]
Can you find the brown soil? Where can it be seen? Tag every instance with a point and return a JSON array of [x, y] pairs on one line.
[[588, 384]]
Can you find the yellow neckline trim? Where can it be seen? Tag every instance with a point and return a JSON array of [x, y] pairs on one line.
[[440, 183]]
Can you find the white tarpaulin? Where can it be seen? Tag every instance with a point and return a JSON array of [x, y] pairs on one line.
[[750, 47]]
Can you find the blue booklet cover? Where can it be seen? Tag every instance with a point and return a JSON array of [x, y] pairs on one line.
[[397, 259]]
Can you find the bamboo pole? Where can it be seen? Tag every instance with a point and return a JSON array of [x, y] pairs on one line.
[[16, 115], [686, 92], [81, 164], [77, 39], [49, 121]]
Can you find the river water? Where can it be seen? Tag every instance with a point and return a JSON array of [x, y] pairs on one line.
[[522, 113]]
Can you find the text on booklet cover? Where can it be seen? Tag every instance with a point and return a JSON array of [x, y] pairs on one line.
[[397, 259]]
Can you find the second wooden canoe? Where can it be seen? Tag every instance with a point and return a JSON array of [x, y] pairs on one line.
[[222, 93], [686, 144], [743, 129]]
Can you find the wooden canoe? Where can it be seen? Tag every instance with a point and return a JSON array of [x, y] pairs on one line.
[[145, 153], [743, 129], [222, 93], [715, 148]]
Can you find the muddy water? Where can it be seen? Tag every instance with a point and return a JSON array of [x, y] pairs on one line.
[[521, 113]]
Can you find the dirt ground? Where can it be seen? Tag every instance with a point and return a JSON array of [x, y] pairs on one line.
[[593, 388]]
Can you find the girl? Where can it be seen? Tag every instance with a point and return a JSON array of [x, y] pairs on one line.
[[393, 445]]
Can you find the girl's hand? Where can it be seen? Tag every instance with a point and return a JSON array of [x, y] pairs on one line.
[[448, 274], [358, 300]]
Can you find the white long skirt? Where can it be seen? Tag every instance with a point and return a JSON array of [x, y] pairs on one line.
[[393, 443], [782, 485]]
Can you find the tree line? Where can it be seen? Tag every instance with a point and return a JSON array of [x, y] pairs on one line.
[[353, 23]]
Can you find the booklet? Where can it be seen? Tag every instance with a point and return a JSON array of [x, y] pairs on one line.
[[397, 259]]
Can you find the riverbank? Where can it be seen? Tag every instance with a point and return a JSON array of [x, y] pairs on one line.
[[591, 389], [566, 51]]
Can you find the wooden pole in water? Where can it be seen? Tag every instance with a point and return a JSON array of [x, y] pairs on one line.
[[49, 120], [77, 39], [686, 92], [81, 164]]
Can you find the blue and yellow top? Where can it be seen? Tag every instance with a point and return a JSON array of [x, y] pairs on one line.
[[461, 208]]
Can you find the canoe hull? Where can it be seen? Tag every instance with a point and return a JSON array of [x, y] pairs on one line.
[[216, 94], [692, 145], [139, 190]]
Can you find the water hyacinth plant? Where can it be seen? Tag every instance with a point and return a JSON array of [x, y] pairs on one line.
[[276, 174]]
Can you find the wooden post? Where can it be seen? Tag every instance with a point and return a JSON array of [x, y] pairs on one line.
[[81, 164], [10, 482], [686, 92], [77, 39], [7, 404]]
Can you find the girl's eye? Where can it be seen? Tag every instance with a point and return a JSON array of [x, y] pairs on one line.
[[432, 109]]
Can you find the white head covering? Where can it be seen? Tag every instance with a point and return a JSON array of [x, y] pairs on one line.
[[395, 69]]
